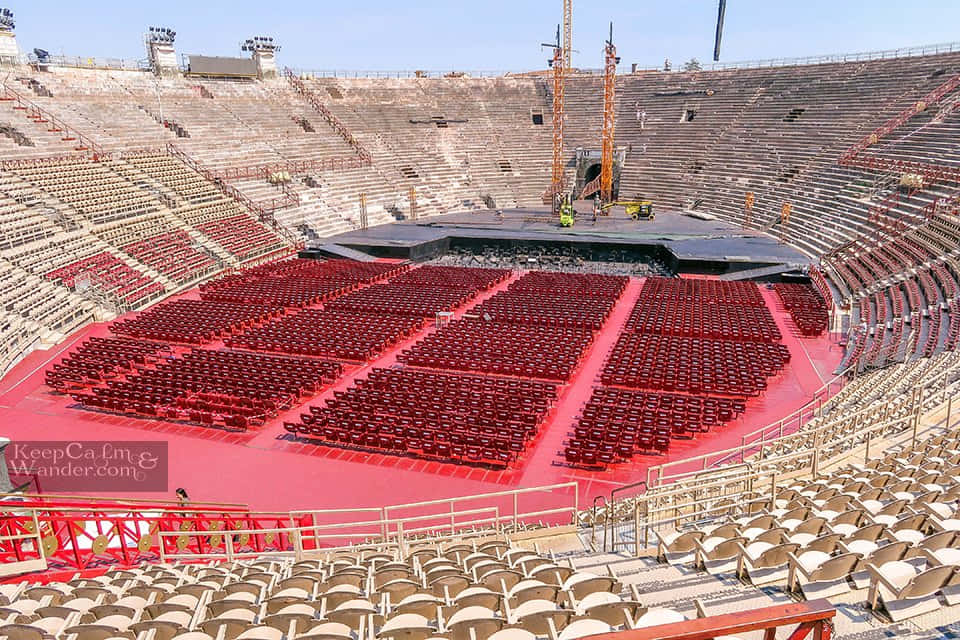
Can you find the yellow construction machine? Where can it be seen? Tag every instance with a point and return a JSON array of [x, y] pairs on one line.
[[636, 209]]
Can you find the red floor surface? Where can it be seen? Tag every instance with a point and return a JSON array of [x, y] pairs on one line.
[[266, 470]]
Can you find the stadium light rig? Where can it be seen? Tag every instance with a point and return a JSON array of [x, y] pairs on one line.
[[259, 43], [6, 20], [161, 35]]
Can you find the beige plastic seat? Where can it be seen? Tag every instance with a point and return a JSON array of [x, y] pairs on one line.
[[109, 627], [335, 596], [193, 635], [166, 625], [764, 562], [18, 631], [478, 597], [582, 629], [423, 604], [449, 585], [551, 573], [128, 606], [303, 614], [945, 556], [512, 634], [287, 596], [678, 547], [610, 608], [532, 590], [583, 583], [473, 622], [820, 575], [327, 631], [406, 626], [656, 616], [538, 616], [232, 623], [351, 611], [498, 578], [237, 600], [905, 591], [718, 555], [261, 633]]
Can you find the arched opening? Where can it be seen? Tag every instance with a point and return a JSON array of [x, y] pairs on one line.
[[591, 173]]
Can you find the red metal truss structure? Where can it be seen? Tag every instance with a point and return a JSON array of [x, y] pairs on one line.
[[609, 107], [83, 533]]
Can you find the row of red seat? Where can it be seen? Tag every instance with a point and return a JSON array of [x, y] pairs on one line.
[[703, 292], [453, 277], [575, 285], [532, 351], [99, 359], [404, 299], [194, 321], [616, 424], [432, 414], [693, 365], [296, 283], [282, 293], [241, 235], [173, 254], [231, 388], [806, 307], [549, 308], [347, 335], [703, 320], [110, 274]]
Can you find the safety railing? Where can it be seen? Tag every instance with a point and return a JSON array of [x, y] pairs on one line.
[[338, 126], [796, 620], [696, 497], [702, 496], [750, 442], [90, 62], [291, 166], [692, 495], [863, 56], [830, 58], [502, 510], [38, 113], [263, 211], [931, 98], [78, 533]]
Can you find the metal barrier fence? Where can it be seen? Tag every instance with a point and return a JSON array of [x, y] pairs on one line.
[[695, 495]]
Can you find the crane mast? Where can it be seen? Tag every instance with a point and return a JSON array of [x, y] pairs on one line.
[[609, 106]]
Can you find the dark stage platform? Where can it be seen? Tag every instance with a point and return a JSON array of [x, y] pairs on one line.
[[685, 243]]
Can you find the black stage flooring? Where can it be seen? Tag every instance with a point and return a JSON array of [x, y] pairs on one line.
[[688, 244]]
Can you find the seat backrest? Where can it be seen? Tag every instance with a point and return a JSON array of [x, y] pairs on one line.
[[928, 582]]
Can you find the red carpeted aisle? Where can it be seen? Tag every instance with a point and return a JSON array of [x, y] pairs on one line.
[[267, 471]]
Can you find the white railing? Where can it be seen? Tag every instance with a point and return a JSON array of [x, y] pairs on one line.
[[326, 530], [404, 73], [90, 62], [885, 54], [753, 441]]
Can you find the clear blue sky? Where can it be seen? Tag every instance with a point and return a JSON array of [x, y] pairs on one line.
[[488, 34]]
